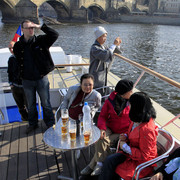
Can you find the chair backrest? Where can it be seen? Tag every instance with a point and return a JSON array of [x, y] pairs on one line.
[[165, 144], [105, 91], [62, 92]]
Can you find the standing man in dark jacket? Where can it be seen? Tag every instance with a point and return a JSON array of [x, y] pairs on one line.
[[35, 62], [16, 84]]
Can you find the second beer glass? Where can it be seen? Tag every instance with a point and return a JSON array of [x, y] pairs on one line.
[[72, 129]]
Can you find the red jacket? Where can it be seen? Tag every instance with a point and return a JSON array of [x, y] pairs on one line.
[[109, 118], [142, 141]]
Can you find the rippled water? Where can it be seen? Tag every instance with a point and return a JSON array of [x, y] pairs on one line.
[[154, 46]]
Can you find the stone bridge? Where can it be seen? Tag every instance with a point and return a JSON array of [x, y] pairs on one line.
[[67, 10]]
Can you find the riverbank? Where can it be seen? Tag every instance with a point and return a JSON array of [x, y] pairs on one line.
[[139, 19], [144, 19]]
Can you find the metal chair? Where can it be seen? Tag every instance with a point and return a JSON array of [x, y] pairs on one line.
[[165, 144]]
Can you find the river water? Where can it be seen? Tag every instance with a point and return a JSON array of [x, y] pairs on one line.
[[154, 46]]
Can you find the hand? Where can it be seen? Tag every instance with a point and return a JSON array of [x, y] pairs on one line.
[[122, 137], [122, 143], [103, 133], [35, 25], [158, 176], [117, 41]]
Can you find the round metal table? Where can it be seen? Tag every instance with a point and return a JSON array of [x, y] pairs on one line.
[[53, 138]]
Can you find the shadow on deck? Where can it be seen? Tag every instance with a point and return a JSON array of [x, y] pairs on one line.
[[27, 156]]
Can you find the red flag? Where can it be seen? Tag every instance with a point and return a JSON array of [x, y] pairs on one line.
[[18, 34]]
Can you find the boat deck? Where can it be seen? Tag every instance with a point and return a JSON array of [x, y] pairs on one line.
[[27, 157]]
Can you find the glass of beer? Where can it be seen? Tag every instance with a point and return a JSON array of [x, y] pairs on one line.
[[72, 129], [87, 134], [64, 129], [64, 116]]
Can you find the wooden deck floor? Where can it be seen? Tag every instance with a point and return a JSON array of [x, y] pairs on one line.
[[27, 157]]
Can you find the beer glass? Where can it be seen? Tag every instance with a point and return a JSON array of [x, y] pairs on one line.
[[72, 129], [64, 116], [64, 128], [87, 134]]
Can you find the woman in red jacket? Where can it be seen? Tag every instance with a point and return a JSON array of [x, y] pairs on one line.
[[138, 145], [113, 120]]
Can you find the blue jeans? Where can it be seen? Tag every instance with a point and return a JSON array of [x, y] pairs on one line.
[[40, 86], [109, 166]]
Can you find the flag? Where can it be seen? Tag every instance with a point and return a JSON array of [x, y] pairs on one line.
[[18, 34]]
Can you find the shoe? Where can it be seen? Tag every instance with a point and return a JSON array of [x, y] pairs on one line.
[[86, 171], [97, 170], [24, 120], [31, 128], [77, 154]]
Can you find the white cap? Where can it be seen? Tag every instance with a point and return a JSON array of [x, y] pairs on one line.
[[99, 31]]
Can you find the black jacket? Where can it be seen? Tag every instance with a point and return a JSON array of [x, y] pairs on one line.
[[39, 50], [13, 71]]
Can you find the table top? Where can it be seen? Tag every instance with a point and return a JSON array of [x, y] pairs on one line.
[[53, 138]]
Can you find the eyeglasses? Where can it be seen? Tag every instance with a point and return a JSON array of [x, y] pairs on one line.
[[28, 28], [87, 85]]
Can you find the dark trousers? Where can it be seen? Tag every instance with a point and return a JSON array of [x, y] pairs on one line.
[[20, 99], [109, 166], [40, 86]]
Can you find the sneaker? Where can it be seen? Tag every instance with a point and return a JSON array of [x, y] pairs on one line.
[[31, 128], [86, 171], [97, 170], [77, 154]]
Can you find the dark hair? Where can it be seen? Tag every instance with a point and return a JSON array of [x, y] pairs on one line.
[[25, 21], [141, 108], [86, 76], [123, 86]]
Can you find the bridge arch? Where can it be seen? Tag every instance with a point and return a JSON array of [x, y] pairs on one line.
[[61, 9], [124, 10], [7, 10], [95, 11]]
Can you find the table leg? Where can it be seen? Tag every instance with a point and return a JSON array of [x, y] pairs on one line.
[[55, 155], [74, 165]]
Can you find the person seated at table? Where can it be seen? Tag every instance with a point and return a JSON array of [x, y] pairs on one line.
[[170, 169], [77, 95], [138, 145], [113, 120]]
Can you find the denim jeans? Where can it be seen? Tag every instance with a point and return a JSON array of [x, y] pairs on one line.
[[109, 166], [40, 86]]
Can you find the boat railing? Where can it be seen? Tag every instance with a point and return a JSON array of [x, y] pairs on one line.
[[149, 71], [153, 73]]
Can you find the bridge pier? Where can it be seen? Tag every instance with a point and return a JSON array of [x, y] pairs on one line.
[[26, 9]]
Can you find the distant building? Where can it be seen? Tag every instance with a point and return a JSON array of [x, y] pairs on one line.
[[169, 6]]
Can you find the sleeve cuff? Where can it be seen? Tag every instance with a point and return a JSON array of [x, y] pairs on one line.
[[112, 48]]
